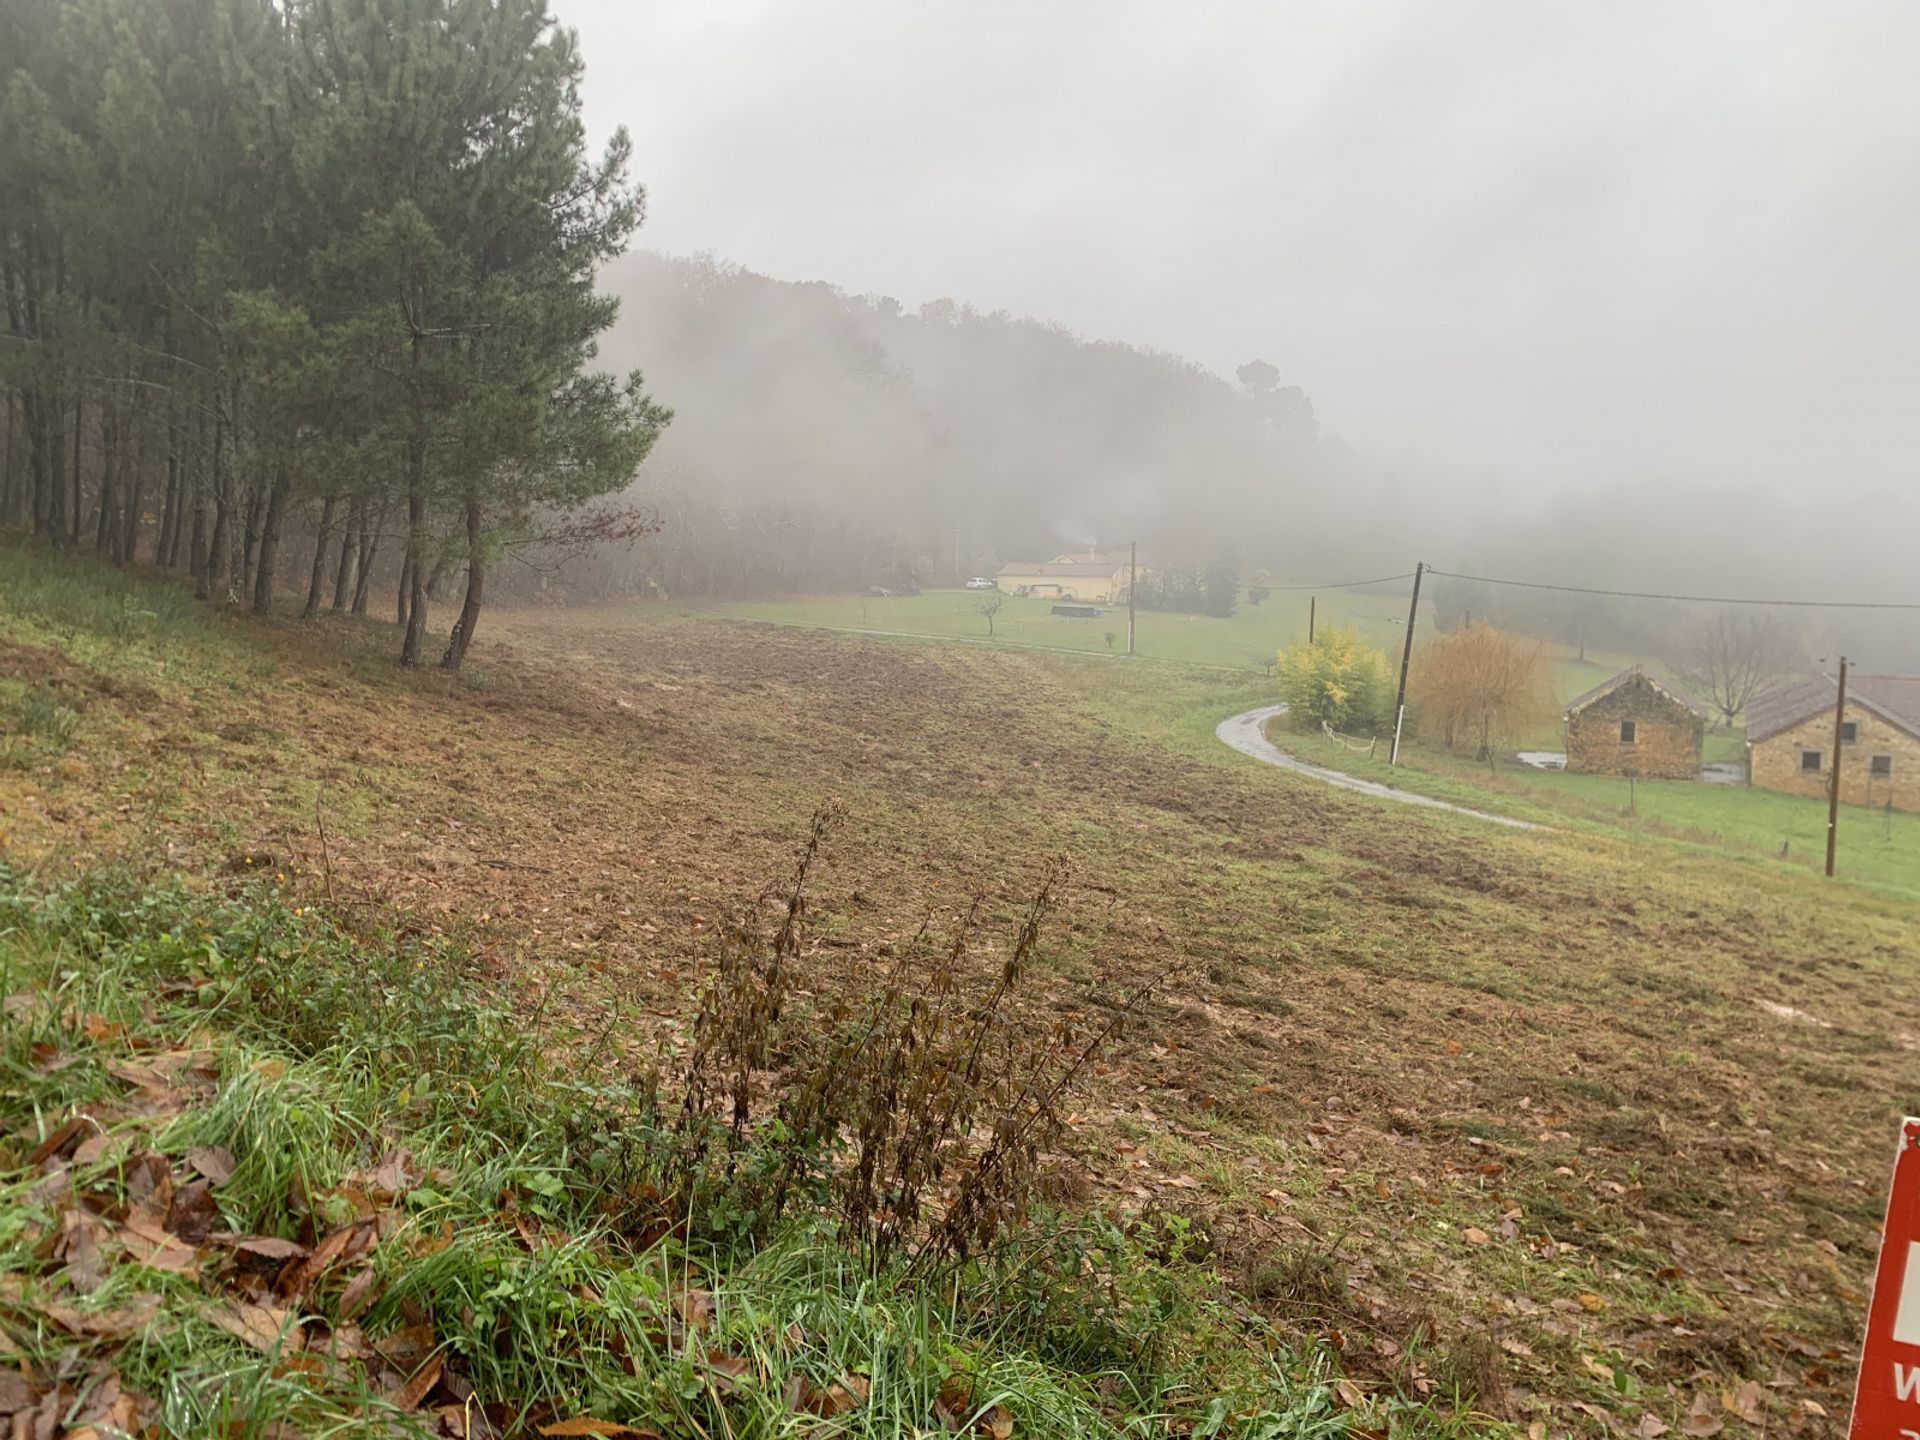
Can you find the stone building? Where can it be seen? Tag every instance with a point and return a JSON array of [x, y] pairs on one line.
[[1790, 739], [1634, 725]]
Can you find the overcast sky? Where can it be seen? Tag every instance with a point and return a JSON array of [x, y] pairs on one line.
[[1558, 243]]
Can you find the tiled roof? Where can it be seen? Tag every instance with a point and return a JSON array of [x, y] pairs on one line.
[[1607, 687], [1894, 698]]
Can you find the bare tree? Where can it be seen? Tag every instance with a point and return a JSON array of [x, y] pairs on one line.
[[1482, 685], [1731, 659], [991, 608]]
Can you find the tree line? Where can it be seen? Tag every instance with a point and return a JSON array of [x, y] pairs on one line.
[[313, 279], [830, 441]]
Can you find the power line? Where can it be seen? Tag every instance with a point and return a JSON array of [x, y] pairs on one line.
[[1693, 599], [1349, 584]]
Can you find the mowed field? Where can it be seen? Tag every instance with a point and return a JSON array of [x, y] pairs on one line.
[[1247, 639], [1591, 1127]]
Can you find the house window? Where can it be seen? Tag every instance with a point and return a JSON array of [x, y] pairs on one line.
[[1809, 759], [1626, 732], [1849, 731], [1882, 765]]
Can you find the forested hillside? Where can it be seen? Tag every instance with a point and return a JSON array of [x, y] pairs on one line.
[[826, 441], [317, 273]]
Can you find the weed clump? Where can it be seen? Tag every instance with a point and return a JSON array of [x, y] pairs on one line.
[[922, 1112]]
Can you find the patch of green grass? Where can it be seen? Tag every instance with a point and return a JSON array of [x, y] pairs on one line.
[[325, 1064], [1879, 848]]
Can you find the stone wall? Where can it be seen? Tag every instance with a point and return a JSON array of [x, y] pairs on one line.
[[1665, 744], [1775, 763]]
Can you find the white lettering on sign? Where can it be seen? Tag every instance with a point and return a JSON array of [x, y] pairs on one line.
[[1906, 1383], [1906, 1319]]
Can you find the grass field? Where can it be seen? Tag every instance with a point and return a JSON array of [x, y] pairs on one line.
[[1879, 848], [1247, 639], [1573, 1128]]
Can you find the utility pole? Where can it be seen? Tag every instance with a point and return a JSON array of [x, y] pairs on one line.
[[1313, 604], [1833, 779], [1133, 581], [1406, 659]]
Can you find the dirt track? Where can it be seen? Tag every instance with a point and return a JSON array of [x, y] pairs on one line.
[[1247, 733]]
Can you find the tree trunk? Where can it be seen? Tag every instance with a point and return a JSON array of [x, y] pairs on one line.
[[37, 461], [462, 636], [356, 520], [79, 421], [273, 512], [104, 530], [414, 591], [169, 507], [403, 600], [196, 480], [132, 492], [7, 490], [250, 539], [57, 473], [369, 547], [317, 580], [212, 558]]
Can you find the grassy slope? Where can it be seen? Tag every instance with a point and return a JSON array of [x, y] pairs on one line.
[[1879, 850], [441, 1236], [1496, 1110]]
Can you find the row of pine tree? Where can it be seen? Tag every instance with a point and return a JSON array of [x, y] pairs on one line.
[[307, 282]]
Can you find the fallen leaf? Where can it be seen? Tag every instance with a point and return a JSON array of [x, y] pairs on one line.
[[1744, 1402], [261, 1326], [996, 1422], [695, 1308], [588, 1425], [1700, 1421], [214, 1162], [394, 1173], [267, 1247], [116, 1324], [1474, 1235], [408, 1348], [1595, 1303], [160, 1252], [357, 1296], [60, 1139], [193, 1213], [149, 1179], [1651, 1427], [409, 1395], [15, 1393]]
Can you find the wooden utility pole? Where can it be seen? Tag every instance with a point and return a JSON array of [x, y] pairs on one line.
[[1833, 779], [1133, 582], [1406, 659], [1313, 604]]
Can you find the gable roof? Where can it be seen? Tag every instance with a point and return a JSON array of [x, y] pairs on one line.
[[1081, 568], [1632, 672], [1894, 698]]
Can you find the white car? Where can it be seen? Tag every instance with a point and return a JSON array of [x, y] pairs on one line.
[[981, 582]]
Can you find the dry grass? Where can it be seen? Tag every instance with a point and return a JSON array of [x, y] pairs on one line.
[[1503, 1112]]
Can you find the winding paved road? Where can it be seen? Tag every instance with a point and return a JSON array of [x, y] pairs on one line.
[[1247, 733]]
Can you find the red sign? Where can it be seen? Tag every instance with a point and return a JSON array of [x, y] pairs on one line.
[[1886, 1401]]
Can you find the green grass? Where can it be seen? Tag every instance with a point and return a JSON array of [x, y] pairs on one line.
[[1245, 640], [318, 1055], [1879, 849]]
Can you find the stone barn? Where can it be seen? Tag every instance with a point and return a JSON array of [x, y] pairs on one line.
[[1634, 725], [1790, 739]]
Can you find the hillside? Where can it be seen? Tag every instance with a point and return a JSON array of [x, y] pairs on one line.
[[1538, 1127]]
